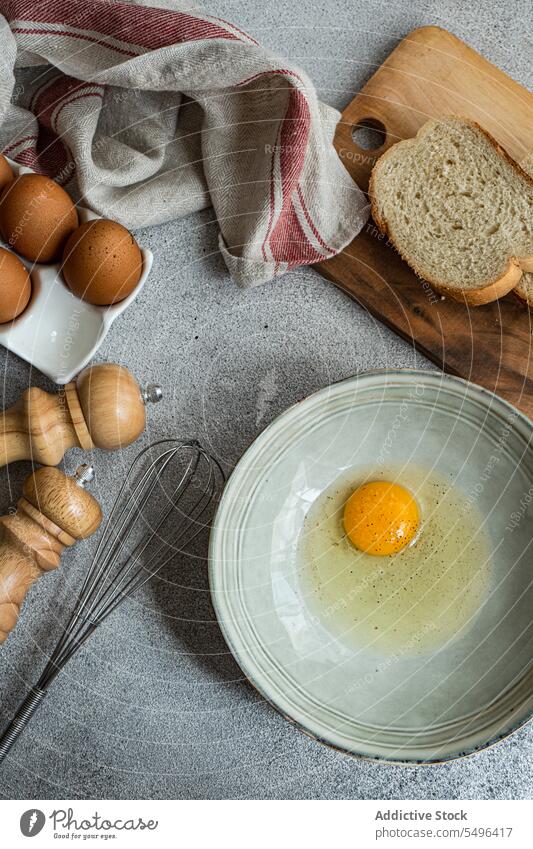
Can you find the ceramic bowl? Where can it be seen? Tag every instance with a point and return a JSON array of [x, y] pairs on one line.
[[58, 333], [452, 701]]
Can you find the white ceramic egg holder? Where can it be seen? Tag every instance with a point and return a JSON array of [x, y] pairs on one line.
[[58, 333]]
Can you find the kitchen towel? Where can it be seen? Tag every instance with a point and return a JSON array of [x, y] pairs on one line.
[[148, 114]]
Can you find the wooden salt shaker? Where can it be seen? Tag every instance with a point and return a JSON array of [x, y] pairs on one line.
[[53, 513], [104, 407]]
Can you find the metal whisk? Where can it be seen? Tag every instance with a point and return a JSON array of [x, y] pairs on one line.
[[165, 502]]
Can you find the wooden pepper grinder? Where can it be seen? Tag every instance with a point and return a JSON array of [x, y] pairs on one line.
[[54, 512], [104, 407]]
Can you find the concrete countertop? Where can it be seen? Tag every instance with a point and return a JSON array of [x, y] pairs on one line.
[[155, 706]]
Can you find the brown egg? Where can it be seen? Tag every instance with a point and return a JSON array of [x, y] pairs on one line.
[[15, 286], [6, 174], [102, 262], [36, 217]]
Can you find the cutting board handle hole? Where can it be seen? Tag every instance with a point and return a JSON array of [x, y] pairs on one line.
[[369, 134]]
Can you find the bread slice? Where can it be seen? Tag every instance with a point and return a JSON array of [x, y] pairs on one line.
[[457, 208], [524, 290]]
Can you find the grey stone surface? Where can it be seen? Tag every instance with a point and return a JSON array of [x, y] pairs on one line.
[[154, 706]]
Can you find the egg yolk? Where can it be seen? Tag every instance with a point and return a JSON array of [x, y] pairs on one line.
[[381, 518]]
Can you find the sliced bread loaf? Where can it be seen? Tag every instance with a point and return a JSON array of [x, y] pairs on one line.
[[457, 208], [524, 290]]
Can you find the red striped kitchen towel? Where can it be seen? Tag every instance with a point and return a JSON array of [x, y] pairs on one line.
[[148, 114]]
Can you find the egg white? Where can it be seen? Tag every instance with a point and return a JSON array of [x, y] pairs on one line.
[[410, 602]]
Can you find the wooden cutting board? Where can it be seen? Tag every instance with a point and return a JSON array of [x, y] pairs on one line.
[[430, 74]]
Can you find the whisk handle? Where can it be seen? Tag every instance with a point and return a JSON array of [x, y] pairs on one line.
[[20, 720]]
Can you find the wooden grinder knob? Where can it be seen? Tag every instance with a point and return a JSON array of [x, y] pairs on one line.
[[53, 513], [104, 407]]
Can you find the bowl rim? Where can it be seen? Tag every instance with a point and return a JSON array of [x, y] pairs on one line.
[[488, 398]]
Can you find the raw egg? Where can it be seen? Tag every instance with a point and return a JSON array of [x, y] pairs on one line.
[[15, 286], [6, 174], [420, 596], [36, 217], [102, 262], [381, 518]]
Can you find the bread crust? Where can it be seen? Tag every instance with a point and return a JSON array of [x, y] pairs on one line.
[[527, 166], [486, 294], [492, 290], [522, 298], [526, 263]]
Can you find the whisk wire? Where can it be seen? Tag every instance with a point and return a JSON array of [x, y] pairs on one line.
[[133, 546], [106, 588], [133, 559], [120, 526], [149, 569], [101, 581]]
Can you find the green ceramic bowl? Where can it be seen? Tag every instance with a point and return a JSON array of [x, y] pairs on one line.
[[450, 702]]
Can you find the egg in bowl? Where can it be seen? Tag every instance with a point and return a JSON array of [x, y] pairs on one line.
[[393, 701], [394, 567]]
